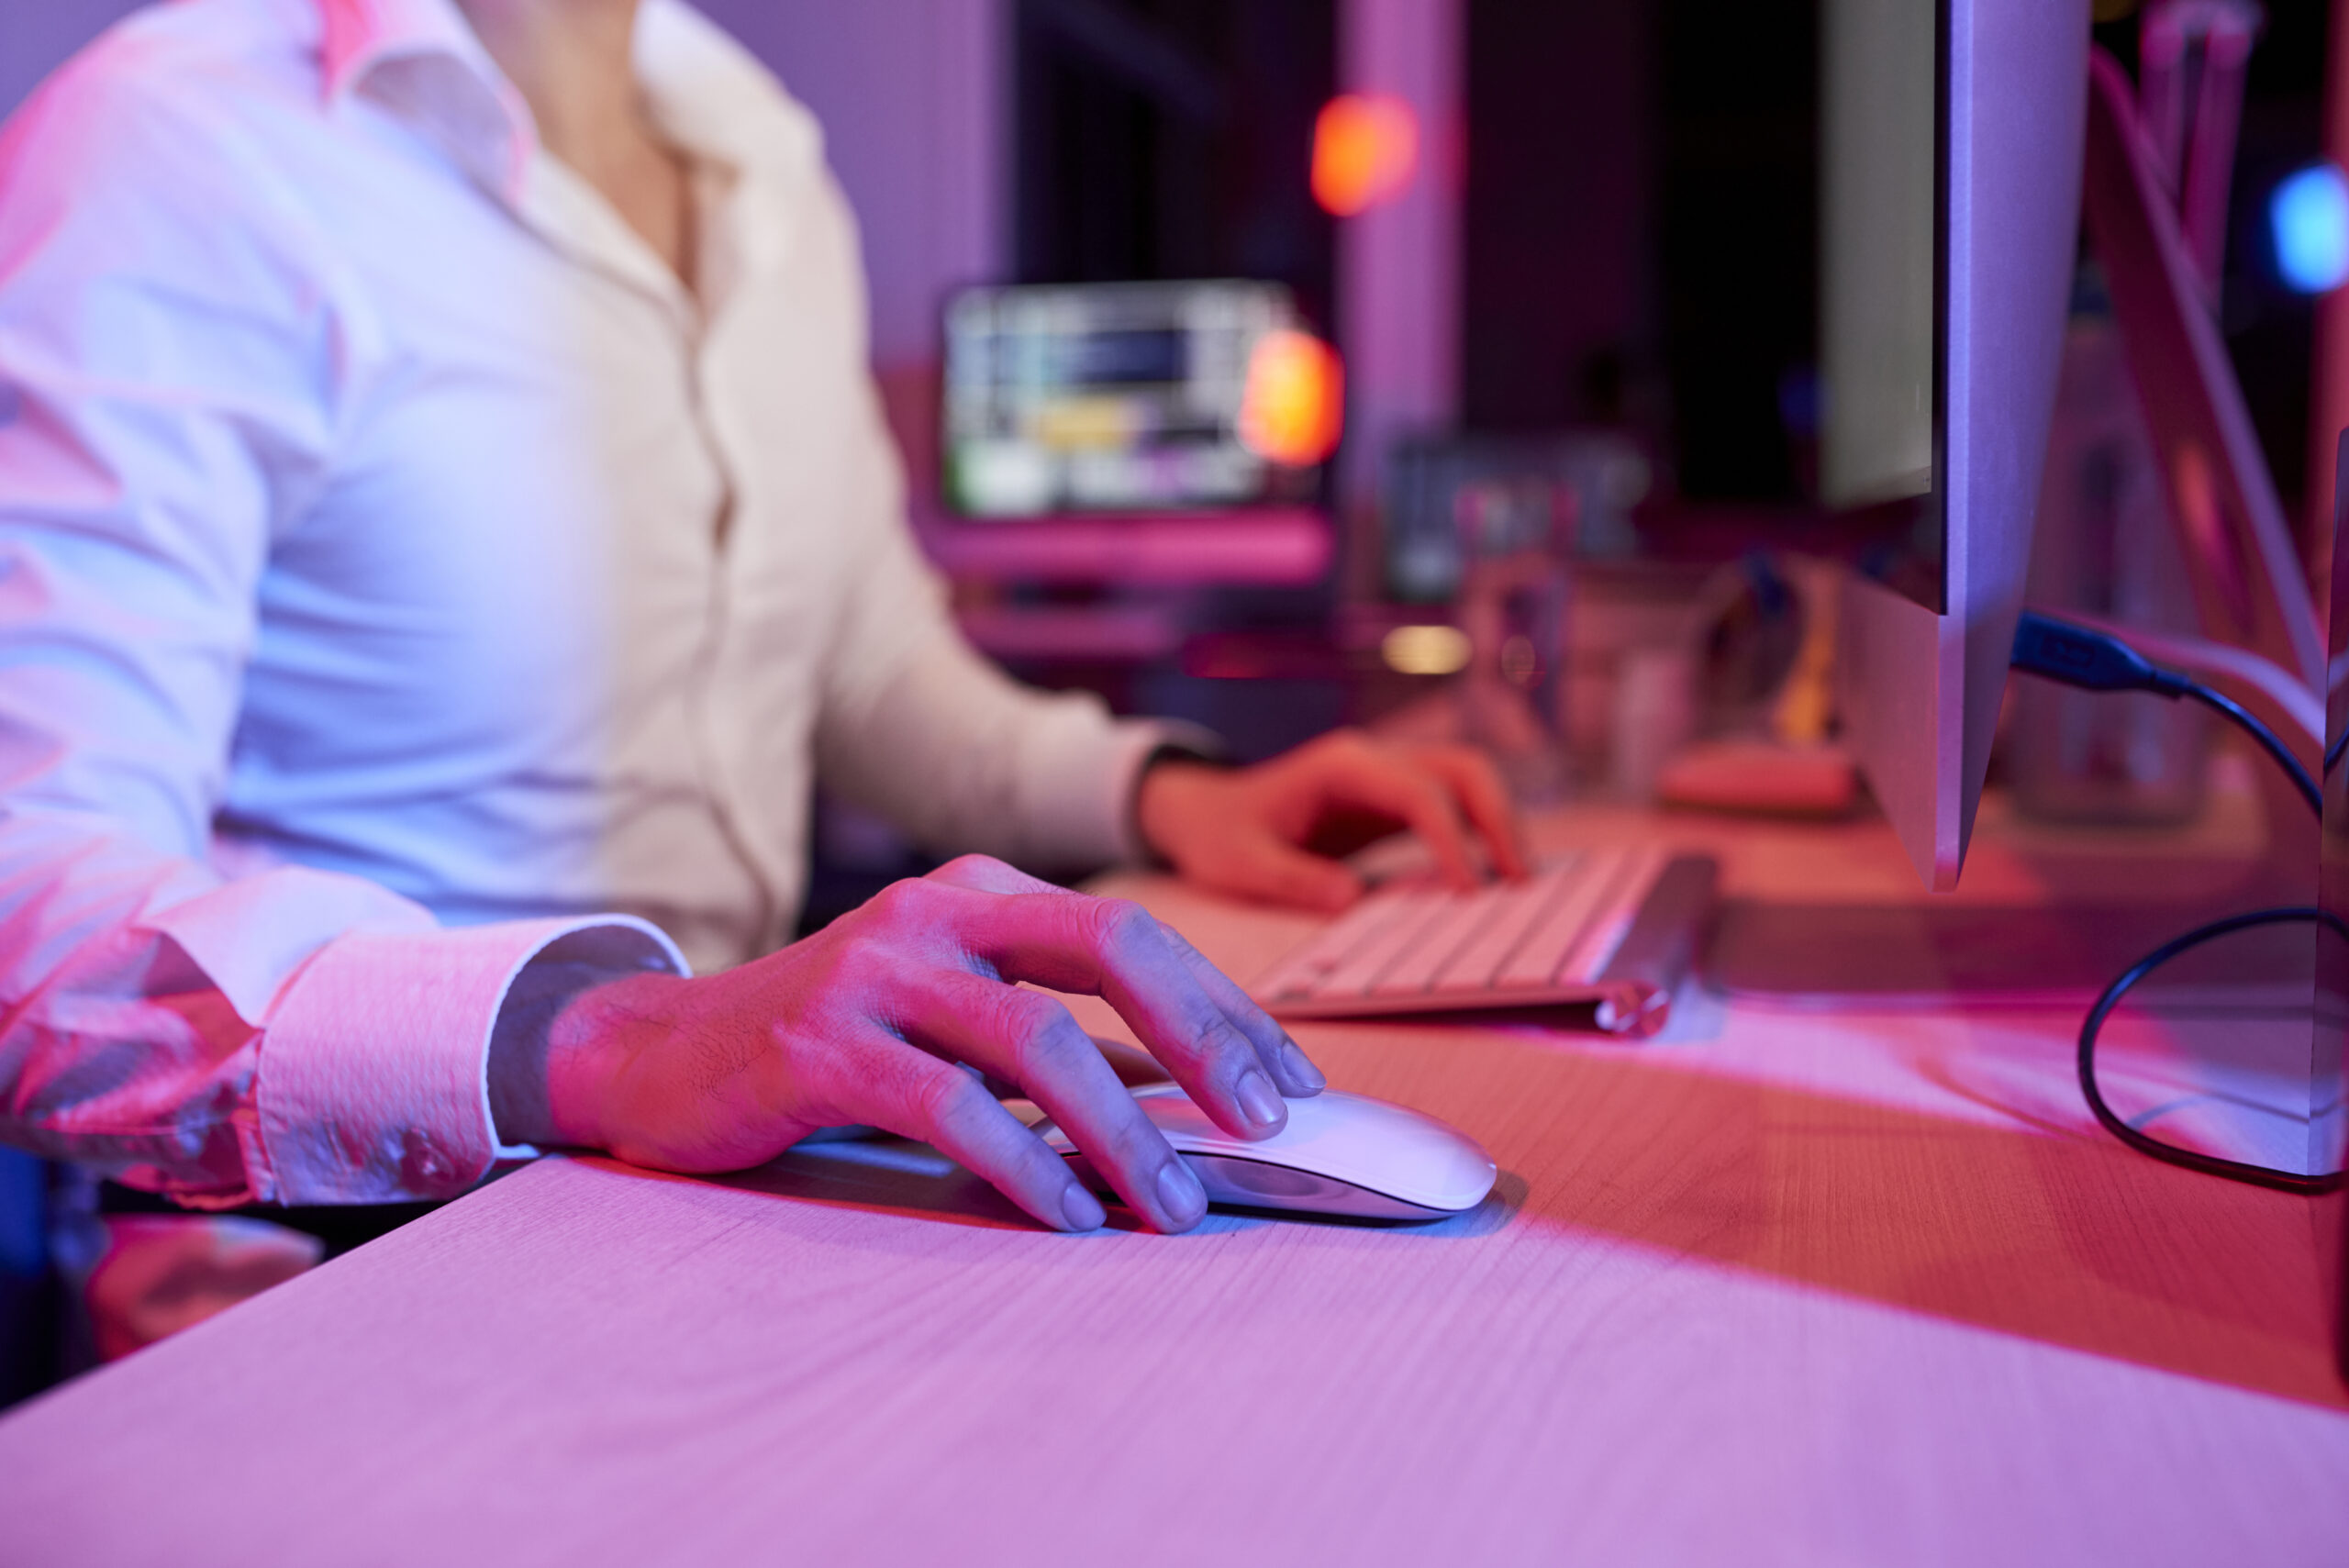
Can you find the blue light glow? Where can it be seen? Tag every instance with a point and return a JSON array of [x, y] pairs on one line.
[[2310, 214]]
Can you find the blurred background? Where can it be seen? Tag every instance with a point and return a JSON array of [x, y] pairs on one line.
[[1510, 428]]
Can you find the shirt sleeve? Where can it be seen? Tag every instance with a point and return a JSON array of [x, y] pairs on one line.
[[916, 726], [171, 386], [963, 757]]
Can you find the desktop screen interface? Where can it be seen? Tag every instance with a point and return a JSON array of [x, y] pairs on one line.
[[1122, 397], [1880, 193]]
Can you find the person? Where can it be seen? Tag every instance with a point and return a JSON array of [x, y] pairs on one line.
[[446, 526]]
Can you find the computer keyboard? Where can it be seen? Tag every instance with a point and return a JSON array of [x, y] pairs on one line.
[[1609, 926]]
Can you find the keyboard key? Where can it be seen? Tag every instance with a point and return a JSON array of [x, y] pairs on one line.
[[1461, 916], [1471, 968], [1421, 919], [1301, 973], [1537, 958]]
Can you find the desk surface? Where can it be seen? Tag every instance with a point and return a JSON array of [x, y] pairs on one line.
[[1779, 1287]]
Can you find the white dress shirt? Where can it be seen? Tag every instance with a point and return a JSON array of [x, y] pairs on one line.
[[405, 580]]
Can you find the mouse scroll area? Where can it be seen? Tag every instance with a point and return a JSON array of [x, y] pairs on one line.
[[1252, 1184]]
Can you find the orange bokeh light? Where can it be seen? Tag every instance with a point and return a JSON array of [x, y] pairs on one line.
[[1293, 407], [1365, 146]]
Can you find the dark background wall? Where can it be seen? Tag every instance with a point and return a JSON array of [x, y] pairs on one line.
[[1560, 321], [1169, 138], [36, 34], [1641, 213]]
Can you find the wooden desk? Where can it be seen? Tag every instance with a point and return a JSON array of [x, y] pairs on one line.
[[1778, 1289]]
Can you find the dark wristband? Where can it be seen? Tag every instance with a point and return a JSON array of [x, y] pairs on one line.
[[1164, 752]]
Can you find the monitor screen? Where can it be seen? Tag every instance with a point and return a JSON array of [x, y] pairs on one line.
[[1879, 173], [1130, 396]]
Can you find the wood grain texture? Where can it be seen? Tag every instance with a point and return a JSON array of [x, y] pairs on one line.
[[1783, 1289]]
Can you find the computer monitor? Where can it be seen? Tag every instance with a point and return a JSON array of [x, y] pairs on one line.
[[1950, 136], [1132, 396]]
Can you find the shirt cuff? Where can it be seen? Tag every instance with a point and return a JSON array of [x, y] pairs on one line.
[[1091, 799], [373, 1077]]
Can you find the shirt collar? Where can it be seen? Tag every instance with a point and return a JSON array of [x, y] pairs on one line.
[[420, 60], [714, 99]]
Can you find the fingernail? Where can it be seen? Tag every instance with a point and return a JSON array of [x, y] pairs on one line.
[[1083, 1210], [1179, 1193], [1261, 1100], [1301, 1066]]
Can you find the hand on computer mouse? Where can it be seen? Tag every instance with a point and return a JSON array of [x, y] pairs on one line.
[[866, 1020], [1266, 832]]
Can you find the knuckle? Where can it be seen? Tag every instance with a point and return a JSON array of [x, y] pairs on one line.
[[1178, 941], [1134, 1144], [1226, 1050], [867, 1077], [950, 1103], [1129, 922], [846, 967], [1039, 1165], [1034, 1026], [897, 901], [1025, 1161], [1119, 927], [1045, 1062]]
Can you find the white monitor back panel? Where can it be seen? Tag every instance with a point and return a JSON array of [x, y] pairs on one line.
[[1921, 690]]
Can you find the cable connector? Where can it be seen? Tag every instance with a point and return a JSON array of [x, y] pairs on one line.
[[2099, 662], [2092, 660]]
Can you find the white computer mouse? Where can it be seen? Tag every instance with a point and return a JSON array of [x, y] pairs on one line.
[[1340, 1153]]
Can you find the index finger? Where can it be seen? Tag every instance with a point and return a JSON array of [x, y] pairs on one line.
[[1279, 1054], [1112, 948], [1478, 788], [1381, 782]]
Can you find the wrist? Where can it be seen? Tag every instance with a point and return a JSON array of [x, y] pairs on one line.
[[586, 1048], [1166, 795]]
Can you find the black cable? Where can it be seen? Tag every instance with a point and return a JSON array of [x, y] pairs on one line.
[[2265, 736], [2263, 1175], [2099, 662]]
